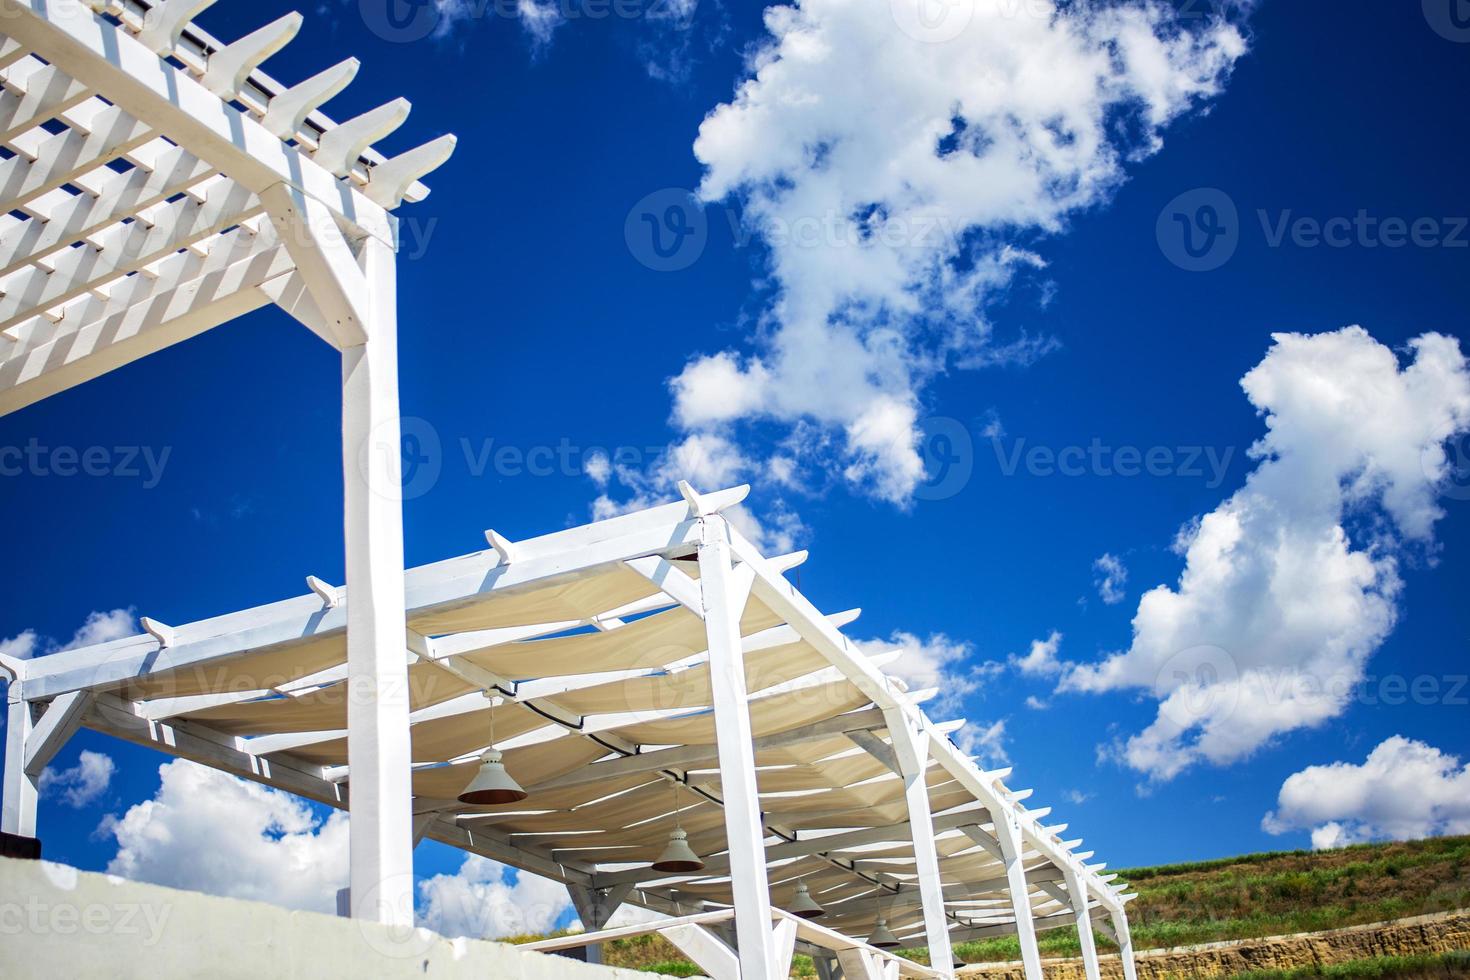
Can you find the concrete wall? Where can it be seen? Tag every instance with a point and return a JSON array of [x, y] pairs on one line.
[[57, 923]]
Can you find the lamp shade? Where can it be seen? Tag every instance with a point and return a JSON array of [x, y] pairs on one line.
[[492, 785], [883, 937], [678, 856], [804, 905]]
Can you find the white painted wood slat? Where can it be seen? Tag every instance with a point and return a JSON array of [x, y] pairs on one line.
[[31, 99], [83, 215], [131, 247], [59, 158], [149, 316]]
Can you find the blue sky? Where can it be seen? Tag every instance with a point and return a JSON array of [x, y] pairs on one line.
[[536, 312]]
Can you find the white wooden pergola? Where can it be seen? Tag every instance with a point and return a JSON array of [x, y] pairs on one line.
[[645, 672], [156, 184]]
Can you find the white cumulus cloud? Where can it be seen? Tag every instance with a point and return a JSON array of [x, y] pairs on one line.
[[489, 900], [208, 831], [1110, 576], [708, 461], [985, 742], [98, 627], [899, 181], [212, 832], [1404, 790], [540, 18], [936, 661], [1041, 660], [1280, 605], [83, 782]]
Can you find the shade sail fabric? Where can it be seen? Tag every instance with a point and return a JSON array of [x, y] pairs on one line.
[[582, 685]]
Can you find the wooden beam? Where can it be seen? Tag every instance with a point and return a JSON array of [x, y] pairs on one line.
[[708, 951], [1008, 835], [138, 321], [692, 756], [309, 230], [1125, 945], [744, 832], [911, 748], [440, 586], [1077, 894], [123, 249], [788, 603], [83, 215], [104, 56], [35, 93], [55, 727], [61, 157]]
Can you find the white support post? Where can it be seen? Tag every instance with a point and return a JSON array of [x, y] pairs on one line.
[[21, 793], [381, 847], [1008, 835], [1077, 893], [745, 835], [1125, 945], [911, 746]]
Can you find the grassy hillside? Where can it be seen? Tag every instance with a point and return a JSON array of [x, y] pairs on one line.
[[1235, 898], [1277, 894]]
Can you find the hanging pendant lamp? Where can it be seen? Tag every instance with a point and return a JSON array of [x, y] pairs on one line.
[[678, 856], [804, 905], [883, 937], [492, 785]]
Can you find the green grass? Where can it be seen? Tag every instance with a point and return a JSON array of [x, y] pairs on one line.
[[1273, 894], [1246, 897], [1379, 968]]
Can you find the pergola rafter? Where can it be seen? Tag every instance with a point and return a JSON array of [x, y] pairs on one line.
[[132, 138]]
